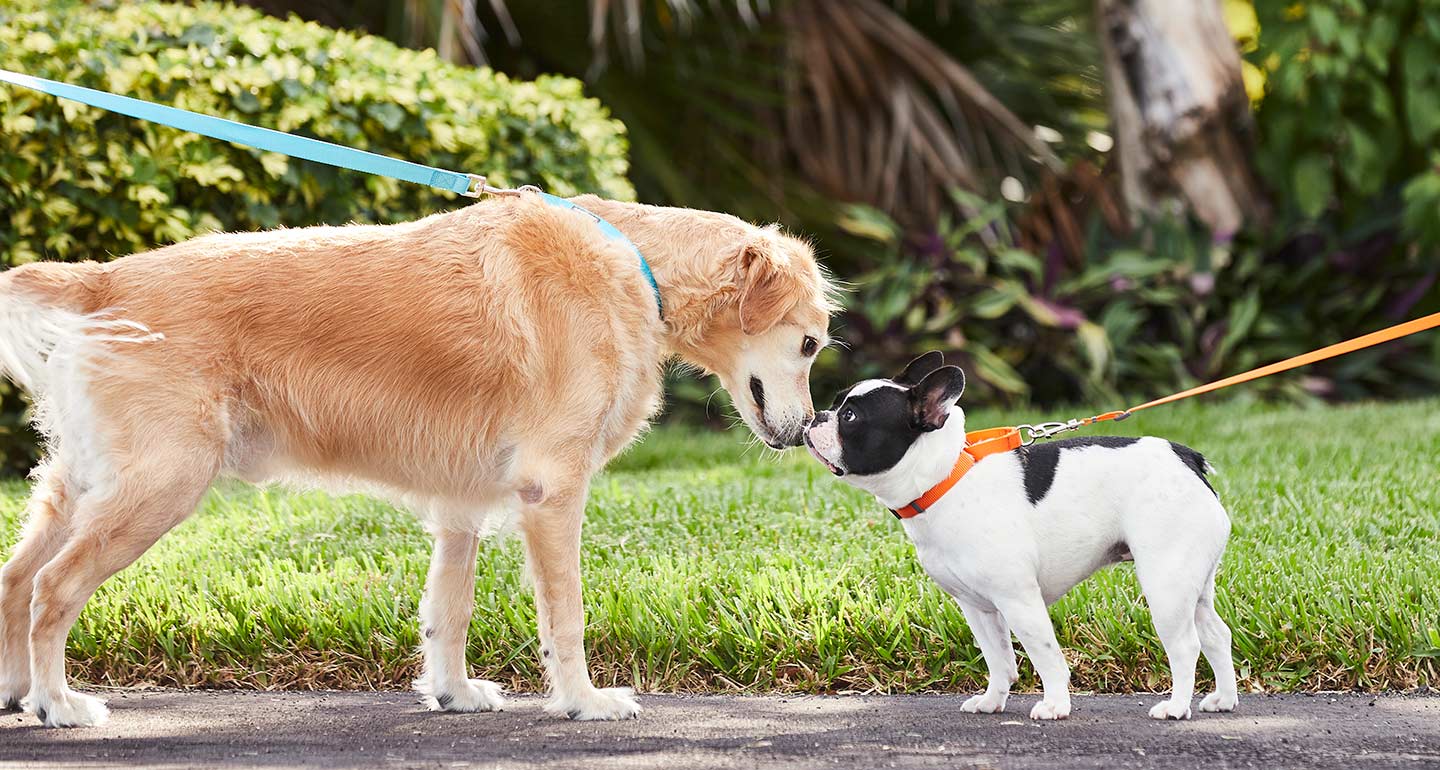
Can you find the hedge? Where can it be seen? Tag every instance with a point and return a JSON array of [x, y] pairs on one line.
[[79, 183]]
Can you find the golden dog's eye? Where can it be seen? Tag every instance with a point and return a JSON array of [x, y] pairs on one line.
[[809, 346]]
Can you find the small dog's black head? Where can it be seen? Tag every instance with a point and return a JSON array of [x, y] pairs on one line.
[[875, 423]]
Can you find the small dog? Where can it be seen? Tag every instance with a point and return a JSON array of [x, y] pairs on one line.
[[477, 366], [1021, 528]]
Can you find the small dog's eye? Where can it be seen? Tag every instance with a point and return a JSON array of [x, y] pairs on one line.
[[847, 414], [809, 346]]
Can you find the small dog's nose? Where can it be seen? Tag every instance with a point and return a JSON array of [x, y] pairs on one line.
[[820, 419]]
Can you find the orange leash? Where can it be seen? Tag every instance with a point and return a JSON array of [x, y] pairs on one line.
[[1338, 349], [983, 443]]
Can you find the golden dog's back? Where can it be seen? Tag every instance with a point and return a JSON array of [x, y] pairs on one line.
[[409, 354]]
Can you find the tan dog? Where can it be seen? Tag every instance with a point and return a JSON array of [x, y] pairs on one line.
[[474, 366]]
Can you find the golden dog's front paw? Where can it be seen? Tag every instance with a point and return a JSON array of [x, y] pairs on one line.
[[468, 697], [593, 704], [67, 709]]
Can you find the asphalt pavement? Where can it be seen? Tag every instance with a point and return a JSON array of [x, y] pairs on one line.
[[159, 728]]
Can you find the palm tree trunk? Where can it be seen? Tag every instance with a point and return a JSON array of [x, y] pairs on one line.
[[1183, 129]]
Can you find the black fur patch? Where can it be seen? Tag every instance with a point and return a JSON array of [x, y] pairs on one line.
[[878, 433], [916, 370], [1039, 461], [1195, 462]]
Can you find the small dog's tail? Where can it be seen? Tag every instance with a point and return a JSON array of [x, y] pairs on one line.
[[43, 339], [1196, 462]]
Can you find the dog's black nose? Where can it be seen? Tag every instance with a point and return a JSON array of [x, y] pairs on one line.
[[820, 419]]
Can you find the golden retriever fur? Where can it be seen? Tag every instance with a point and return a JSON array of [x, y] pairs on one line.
[[477, 366]]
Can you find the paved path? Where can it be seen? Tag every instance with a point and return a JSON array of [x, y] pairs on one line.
[[274, 730]]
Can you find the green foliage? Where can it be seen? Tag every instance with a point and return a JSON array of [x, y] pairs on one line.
[[1137, 320], [707, 570], [739, 79], [1349, 130], [1351, 111], [79, 183], [1422, 205]]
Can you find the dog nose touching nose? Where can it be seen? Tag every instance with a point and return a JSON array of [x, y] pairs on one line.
[[820, 418]]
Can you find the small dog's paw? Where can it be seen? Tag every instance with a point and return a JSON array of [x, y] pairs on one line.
[[985, 703], [1169, 709], [1047, 710], [68, 709], [469, 696], [592, 704], [1218, 702]]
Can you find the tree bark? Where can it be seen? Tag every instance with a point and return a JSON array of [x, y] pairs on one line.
[[1183, 129]]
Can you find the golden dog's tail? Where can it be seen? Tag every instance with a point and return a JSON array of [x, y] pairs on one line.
[[45, 335]]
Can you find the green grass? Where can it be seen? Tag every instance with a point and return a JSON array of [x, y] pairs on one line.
[[710, 567]]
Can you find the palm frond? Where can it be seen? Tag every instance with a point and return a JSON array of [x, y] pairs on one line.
[[784, 107], [873, 111], [878, 114]]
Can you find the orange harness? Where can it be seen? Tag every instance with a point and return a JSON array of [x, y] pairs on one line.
[[980, 444]]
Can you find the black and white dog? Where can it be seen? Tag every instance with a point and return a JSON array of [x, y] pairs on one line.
[[1022, 527]]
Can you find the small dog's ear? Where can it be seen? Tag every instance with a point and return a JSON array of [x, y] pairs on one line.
[[916, 370], [930, 400], [769, 287]]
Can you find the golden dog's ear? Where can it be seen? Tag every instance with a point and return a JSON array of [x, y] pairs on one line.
[[769, 286]]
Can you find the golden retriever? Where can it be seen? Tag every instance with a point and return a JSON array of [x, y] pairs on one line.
[[477, 366]]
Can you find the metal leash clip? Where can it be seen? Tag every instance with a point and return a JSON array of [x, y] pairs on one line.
[[478, 187], [1046, 430]]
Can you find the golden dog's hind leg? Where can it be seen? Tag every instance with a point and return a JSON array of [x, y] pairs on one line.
[[112, 525], [47, 525], [444, 622], [551, 529]]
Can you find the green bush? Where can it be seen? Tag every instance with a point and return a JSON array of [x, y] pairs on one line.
[[1350, 120], [80, 183], [1349, 143]]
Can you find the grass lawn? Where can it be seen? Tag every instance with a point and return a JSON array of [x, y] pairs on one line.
[[710, 567]]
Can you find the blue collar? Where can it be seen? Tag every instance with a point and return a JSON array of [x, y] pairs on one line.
[[610, 231]]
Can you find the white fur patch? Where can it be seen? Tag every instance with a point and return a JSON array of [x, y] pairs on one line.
[[867, 386]]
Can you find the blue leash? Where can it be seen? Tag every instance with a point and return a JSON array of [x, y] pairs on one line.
[[468, 185]]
